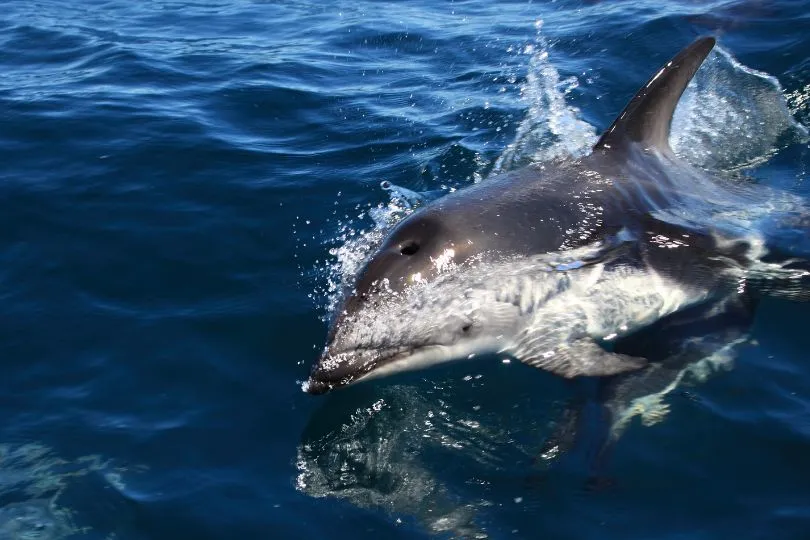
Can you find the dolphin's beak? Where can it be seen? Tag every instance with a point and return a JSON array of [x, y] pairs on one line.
[[337, 369], [322, 379], [316, 386]]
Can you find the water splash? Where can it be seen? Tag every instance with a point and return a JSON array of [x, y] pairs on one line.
[[732, 117], [404, 197], [552, 128], [352, 244], [799, 103]]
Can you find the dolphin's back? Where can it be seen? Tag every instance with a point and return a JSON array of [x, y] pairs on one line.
[[528, 211]]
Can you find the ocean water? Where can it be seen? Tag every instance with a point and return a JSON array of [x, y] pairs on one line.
[[186, 184]]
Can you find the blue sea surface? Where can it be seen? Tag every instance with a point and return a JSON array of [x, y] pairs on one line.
[[184, 185]]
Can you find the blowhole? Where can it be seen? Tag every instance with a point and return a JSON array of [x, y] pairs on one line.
[[409, 248]]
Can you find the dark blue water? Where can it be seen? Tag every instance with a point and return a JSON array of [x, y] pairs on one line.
[[173, 176]]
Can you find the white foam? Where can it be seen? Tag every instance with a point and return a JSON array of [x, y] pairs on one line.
[[552, 128], [732, 117]]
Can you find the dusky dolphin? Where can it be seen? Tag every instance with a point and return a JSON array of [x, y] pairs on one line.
[[559, 264]]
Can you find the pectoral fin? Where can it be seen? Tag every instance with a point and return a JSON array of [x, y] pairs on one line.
[[582, 357]]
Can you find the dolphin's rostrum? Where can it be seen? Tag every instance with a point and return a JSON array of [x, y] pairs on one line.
[[554, 264]]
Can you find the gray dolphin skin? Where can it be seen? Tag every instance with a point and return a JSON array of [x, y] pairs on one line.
[[563, 265]]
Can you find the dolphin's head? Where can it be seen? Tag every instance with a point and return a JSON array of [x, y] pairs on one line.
[[418, 249], [374, 327], [417, 326], [464, 311]]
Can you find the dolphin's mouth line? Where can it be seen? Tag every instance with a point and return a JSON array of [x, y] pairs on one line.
[[371, 368], [390, 363], [398, 354]]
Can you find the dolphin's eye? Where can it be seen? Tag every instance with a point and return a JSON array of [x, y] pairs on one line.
[[409, 248], [466, 328]]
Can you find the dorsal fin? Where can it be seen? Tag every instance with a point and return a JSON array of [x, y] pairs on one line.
[[648, 116]]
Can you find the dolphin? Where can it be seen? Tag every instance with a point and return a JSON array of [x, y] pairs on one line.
[[559, 265]]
